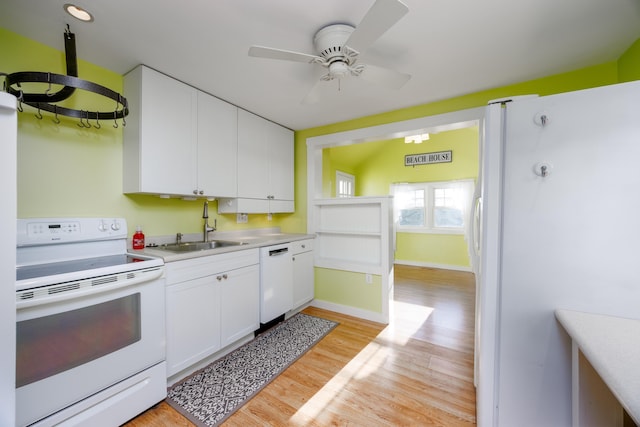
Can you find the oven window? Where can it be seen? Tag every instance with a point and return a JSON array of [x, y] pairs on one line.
[[52, 344]]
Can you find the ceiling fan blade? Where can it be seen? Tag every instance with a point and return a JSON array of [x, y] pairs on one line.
[[383, 76], [380, 17], [286, 55]]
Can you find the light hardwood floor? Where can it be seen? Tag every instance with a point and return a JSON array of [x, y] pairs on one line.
[[416, 371]]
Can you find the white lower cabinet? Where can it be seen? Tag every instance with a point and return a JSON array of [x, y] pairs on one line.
[[303, 272], [239, 304], [193, 322], [211, 302]]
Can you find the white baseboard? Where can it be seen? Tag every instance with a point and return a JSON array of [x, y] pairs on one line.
[[350, 311], [433, 265]]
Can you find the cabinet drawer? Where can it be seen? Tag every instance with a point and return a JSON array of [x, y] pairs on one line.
[[300, 246], [189, 269]]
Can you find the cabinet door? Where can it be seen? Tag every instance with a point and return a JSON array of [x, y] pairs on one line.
[[239, 303], [160, 136], [217, 152], [193, 322], [303, 278], [253, 154], [280, 162]]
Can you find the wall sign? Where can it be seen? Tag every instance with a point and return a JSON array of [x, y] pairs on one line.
[[428, 158]]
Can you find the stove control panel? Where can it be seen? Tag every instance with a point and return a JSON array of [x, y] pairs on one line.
[[45, 231]]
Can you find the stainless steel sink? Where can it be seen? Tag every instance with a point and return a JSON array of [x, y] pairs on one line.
[[199, 246]]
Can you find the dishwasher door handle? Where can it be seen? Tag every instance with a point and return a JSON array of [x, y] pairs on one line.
[[276, 252]]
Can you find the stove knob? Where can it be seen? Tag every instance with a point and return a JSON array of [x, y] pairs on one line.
[[115, 226], [103, 226]]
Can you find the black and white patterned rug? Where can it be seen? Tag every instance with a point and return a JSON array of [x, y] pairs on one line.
[[213, 393]]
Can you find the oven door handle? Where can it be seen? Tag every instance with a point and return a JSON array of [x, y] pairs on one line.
[[83, 288]]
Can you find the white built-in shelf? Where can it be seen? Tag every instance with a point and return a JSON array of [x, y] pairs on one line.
[[353, 234]]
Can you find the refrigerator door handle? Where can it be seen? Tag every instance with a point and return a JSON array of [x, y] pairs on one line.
[[477, 213]]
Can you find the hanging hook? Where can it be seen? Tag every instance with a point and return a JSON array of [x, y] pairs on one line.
[[82, 124], [115, 122], [48, 91], [39, 115], [20, 102], [56, 120], [124, 122], [97, 125]]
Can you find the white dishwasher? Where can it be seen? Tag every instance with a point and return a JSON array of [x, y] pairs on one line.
[[276, 282]]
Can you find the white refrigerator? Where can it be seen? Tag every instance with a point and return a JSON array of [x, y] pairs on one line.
[[560, 220]]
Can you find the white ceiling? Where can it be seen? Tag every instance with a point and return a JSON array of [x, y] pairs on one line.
[[450, 47]]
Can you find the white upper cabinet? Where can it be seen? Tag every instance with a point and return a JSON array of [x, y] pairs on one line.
[[253, 156], [178, 141], [265, 167], [217, 146]]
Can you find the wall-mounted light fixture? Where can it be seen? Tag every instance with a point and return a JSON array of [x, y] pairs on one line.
[[416, 139], [78, 12]]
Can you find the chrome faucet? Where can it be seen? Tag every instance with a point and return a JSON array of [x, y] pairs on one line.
[[205, 216]]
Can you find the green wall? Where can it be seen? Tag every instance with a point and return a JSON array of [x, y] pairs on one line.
[[629, 64], [349, 288]]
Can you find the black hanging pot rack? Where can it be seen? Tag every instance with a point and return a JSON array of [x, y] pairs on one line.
[[45, 101]]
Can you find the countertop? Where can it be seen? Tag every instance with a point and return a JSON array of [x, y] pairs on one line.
[[250, 239], [612, 346]]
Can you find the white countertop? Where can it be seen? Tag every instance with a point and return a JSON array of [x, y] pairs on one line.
[[250, 239], [612, 346]]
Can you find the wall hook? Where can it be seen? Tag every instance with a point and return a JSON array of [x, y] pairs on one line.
[[542, 169], [541, 119]]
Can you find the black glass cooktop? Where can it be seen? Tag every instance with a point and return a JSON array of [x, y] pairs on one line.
[[51, 269]]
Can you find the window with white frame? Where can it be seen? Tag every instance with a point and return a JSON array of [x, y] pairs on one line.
[[433, 207], [345, 184]]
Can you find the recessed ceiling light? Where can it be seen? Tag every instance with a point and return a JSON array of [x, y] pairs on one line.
[[78, 12]]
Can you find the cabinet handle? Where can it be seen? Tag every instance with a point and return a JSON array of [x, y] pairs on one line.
[[303, 246], [219, 278], [224, 276], [201, 192], [195, 192], [293, 258]]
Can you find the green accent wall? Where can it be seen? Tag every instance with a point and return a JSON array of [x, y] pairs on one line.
[[349, 288], [629, 64]]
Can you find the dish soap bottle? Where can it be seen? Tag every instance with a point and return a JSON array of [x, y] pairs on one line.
[[138, 239]]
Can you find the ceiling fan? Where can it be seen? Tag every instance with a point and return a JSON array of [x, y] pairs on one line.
[[339, 45]]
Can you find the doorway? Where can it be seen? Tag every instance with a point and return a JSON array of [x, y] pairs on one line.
[[431, 124]]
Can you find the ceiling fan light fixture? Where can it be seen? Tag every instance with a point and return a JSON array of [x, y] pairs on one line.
[[416, 139], [78, 12], [338, 69]]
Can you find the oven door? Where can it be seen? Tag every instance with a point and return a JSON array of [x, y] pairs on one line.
[[74, 345]]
